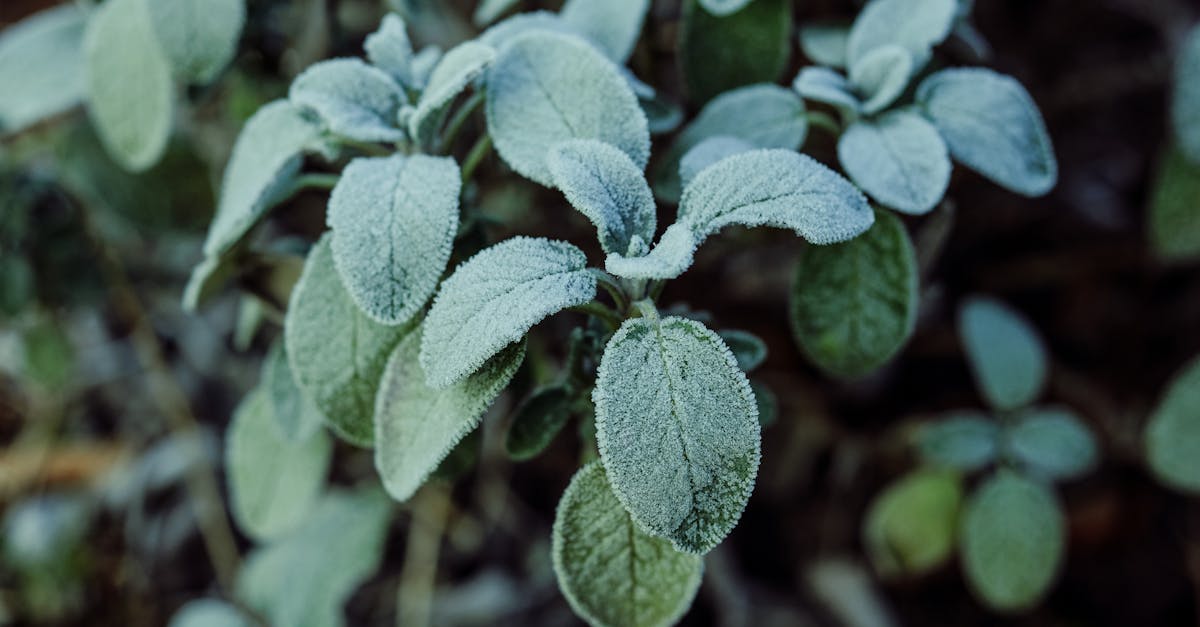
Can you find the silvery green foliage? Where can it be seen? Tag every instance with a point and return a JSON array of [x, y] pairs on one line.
[[487, 11], [296, 416], [199, 37], [456, 70], [506, 32], [130, 95], [963, 440], [748, 349], [41, 66], [881, 76], [1173, 219], [268, 153], [723, 7], [671, 257], [394, 220], [827, 86], [766, 116], [854, 304], [304, 578], [992, 126], [914, 25], [353, 100], [1173, 433], [824, 43], [422, 65], [708, 152], [494, 298], [605, 185], [417, 426], [610, 570], [897, 158], [1185, 99], [208, 613], [1011, 541], [677, 427], [390, 49], [336, 352], [536, 421], [273, 481], [613, 26], [1005, 353], [1051, 443], [546, 88]]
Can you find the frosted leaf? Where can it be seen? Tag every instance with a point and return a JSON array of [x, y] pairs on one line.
[[417, 426], [1011, 541], [671, 257], [199, 37], [353, 99], [457, 69], [911, 527], [268, 153], [41, 66], [394, 220], [422, 65], [1051, 443], [487, 11], [390, 49], [881, 76], [536, 421], [546, 88], [611, 572], [613, 25], [273, 482], [826, 86], [1173, 432], [208, 613], [962, 440], [898, 159], [748, 349], [1185, 96], [1173, 218], [708, 152], [778, 188], [915, 25], [605, 185], [336, 352], [765, 116], [130, 95], [296, 416], [1004, 351], [494, 298], [825, 42], [506, 32], [723, 7], [992, 126], [305, 578], [854, 304], [677, 427]]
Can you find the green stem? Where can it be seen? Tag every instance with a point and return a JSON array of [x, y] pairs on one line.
[[613, 287], [820, 119], [482, 147], [460, 118], [606, 315]]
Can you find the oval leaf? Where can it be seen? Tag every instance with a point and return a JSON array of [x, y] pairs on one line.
[[1173, 433], [613, 26], [390, 49], [353, 99], [824, 43], [962, 440], [912, 526], [1185, 98], [453, 73], [199, 37], [719, 52], [827, 86], [914, 25], [607, 187], [1005, 353], [898, 159], [537, 421], [881, 76], [41, 66], [1051, 443]]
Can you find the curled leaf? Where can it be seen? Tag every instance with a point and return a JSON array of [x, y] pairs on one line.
[[671, 257], [881, 76], [826, 86], [456, 70], [390, 49], [353, 99], [605, 185]]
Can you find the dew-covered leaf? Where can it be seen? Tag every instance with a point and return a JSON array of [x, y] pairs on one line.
[[1185, 97], [854, 304], [494, 298], [613, 25], [273, 482], [1173, 432], [456, 70], [336, 352], [394, 220], [708, 152], [912, 526], [353, 100], [1174, 214], [537, 421], [677, 426], [992, 126], [130, 95], [199, 37], [748, 349], [41, 66], [546, 88], [671, 257], [963, 440], [881, 76], [417, 426], [1051, 443], [390, 49], [612, 572], [296, 415], [898, 159], [605, 185], [1006, 355], [208, 613], [915, 25], [826, 86], [825, 42], [1012, 541], [722, 52]]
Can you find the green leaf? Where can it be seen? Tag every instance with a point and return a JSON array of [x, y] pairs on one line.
[[296, 416], [962, 440], [487, 11], [199, 37], [915, 25], [304, 579], [394, 220], [881, 76], [677, 427], [912, 526], [1174, 215], [824, 43], [41, 66], [992, 126], [49, 354], [273, 482], [457, 70], [767, 402], [353, 100], [671, 257], [267, 155], [1005, 353], [612, 572], [854, 305], [765, 116], [130, 95], [613, 26], [417, 426], [537, 421], [748, 349], [494, 298], [1185, 97], [898, 159], [718, 53], [1173, 432], [827, 86], [1012, 541], [208, 613], [336, 352], [605, 185], [390, 50], [546, 88], [708, 152], [1051, 443]]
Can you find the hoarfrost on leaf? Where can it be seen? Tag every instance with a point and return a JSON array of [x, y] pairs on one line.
[[612, 25], [353, 99], [708, 152], [605, 185], [898, 159], [456, 70]]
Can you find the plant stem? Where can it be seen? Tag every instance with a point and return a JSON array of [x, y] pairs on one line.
[[820, 119], [460, 118], [613, 287], [419, 574], [482, 147], [595, 308]]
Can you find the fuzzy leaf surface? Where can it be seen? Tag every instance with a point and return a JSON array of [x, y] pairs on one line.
[[613, 26], [898, 159], [671, 257], [296, 416], [457, 70], [605, 185], [915, 25], [824, 43], [826, 86], [881, 76], [354, 100], [708, 152], [199, 37], [41, 66]]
